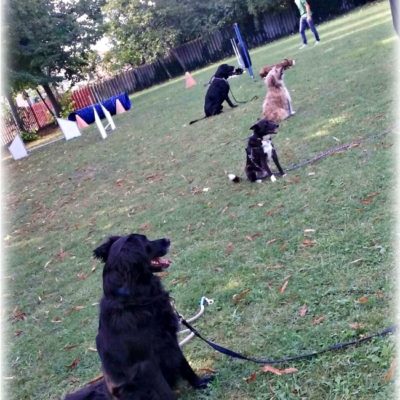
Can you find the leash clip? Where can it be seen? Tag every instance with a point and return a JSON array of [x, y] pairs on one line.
[[206, 301]]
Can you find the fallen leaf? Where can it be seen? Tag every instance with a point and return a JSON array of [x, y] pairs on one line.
[[251, 378], [369, 198], [250, 238], [276, 371], [76, 308], [92, 349], [391, 372], [196, 190], [357, 325], [74, 364], [70, 346], [119, 182], [362, 300], [145, 227], [256, 205], [271, 241], [275, 210], [18, 333], [236, 298], [62, 255], [81, 276], [229, 248], [318, 320], [56, 320], [18, 315], [303, 310], [308, 243], [283, 288], [154, 177], [276, 266]]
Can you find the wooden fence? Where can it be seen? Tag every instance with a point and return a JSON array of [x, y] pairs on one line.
[[34, 117], [8, 130]]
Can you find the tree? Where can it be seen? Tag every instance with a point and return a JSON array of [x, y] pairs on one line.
[[48, 41], [139, 32]]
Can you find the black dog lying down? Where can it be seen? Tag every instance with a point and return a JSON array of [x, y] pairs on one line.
[[259, 151], [137, 336], [218, 91]]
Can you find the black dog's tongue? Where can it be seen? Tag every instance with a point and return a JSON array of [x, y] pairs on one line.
[[160, 262]]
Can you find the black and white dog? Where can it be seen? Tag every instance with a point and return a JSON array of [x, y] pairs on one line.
[[259, 152], [218, 91]]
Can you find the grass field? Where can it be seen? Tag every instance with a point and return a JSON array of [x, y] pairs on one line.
[[324, 231]]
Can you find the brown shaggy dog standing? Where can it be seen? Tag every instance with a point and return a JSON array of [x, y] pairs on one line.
[[277, 104]]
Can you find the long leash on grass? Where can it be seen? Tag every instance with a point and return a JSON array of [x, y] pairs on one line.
[[203, 302], [333, 150], [234, 354], [242, 102]]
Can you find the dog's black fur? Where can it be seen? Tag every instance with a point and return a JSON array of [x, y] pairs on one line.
[[256, 156], [218, 91], [259, 151], [137, 336]]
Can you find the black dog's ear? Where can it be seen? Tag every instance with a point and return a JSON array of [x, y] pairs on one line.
[[255, 127], [102, 251]]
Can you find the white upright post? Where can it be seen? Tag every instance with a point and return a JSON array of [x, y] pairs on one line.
[[109, 119], [100, 126]]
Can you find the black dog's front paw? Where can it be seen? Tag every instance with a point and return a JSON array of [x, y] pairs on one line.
[[203, 382]]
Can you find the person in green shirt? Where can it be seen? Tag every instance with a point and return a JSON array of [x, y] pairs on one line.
[[306, 20]]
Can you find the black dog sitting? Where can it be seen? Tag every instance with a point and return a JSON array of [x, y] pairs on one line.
[[137, 336], [259, 151], [218, 91]]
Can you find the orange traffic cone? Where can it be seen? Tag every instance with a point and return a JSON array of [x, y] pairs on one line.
[[189, 80], [81, 122], [119, 107]]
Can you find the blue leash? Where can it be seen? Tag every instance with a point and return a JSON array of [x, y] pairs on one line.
[[234, 354]]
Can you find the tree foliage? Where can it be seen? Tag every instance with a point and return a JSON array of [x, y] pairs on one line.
[[49, 40]]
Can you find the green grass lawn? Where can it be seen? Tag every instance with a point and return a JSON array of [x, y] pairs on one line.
[[325, 229]]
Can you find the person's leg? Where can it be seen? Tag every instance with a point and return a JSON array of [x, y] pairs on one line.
[[313, 29], [302, 29]]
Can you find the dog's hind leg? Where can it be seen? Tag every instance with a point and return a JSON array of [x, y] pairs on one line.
[[194, 380]]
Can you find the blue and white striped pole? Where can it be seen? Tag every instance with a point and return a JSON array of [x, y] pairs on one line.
[[244, 53]]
